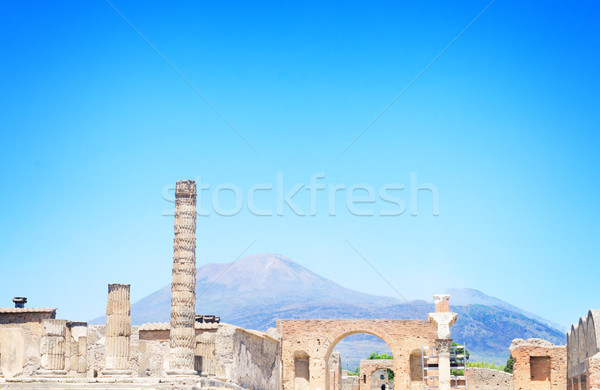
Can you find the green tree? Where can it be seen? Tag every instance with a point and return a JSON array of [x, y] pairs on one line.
[[460, 360], [375, 356], [509, 364]]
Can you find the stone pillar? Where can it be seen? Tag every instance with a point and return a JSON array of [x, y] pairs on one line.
[[443, 349], [443, 319], [118, 330], [183, 287], [53, 347], [78, 348]]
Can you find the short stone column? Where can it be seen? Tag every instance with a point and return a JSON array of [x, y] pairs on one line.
[[118, 330], [183, 286], [53, 347]]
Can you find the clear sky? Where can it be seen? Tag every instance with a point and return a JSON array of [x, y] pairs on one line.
[[97, 126]]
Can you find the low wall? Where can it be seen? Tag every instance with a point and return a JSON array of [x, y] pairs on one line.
[[486, 379]]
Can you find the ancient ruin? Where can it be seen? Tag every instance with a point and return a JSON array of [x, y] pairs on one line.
[[183, 287], [37, 350], [118, 330], [539, 364], [53, 347], [583, 358]]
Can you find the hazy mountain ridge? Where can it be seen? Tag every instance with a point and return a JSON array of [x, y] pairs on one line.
[[257, 290]]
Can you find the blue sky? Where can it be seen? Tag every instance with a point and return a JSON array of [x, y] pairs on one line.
[[96, 127]]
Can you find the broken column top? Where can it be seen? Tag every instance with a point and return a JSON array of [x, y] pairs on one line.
[[442, 319], [442, 303], [185, 187], [20, 302]]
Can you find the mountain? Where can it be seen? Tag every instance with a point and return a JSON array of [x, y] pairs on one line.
[[255, 291], [469, 296]]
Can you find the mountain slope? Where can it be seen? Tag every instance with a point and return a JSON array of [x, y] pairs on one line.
[[257, 290], [469, 296]]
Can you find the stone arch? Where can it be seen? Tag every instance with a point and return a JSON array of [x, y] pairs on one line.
[[335, 338], [318, 338], [593, 324], [570, 350], [590, 336], [581, 341]]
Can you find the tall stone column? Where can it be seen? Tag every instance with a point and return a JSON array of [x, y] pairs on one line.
[[118, 330], [53, 347], [443, 319], [183, 287]]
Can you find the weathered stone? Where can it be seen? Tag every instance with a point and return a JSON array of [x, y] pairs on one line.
[[118, 330], [53, 347], [335, 371], [183, 287], [309, 343], [442, 303], [366, 370], [442, 319], [538, 365], [487, 379]]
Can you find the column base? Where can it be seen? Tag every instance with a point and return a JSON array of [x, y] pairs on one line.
[[50, 373], [116, 372], [182, 372]]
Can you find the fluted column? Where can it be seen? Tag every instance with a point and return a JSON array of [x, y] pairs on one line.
[[118, 330], [53, 347], [183, 287]]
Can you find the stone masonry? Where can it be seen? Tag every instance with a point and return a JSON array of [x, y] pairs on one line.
[[583, 353], [538, 365], [368, 367], [307, 344], [53, 347], [183, 288], [443, 319], [118, 330]]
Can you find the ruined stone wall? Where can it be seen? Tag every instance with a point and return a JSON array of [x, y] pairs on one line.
[[96, 351], [20, 335], [30, 318], [368, 367], [335, 371], [583, 347], [250, 359], [349, 382], [380, 379], [486, 379], [539, 365]]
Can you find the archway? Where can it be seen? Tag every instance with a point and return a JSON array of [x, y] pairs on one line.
[[318, 337], [355, 352]]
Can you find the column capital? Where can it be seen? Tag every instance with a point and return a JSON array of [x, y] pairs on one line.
[[443, 322], [443, 345]]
